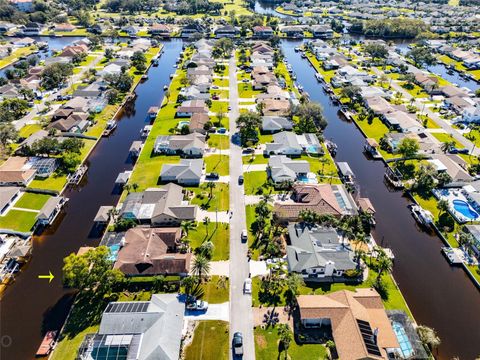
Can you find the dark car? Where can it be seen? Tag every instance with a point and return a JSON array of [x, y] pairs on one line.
[[454, 150], [237, 344], [212, 176], [240, 180], [248, 151]]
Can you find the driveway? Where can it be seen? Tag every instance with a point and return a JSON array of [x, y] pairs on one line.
[[220, 216], [214, 312]]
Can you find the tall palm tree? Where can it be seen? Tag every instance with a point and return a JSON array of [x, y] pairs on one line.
[[211, 185], [201, 266], [293, 282], [384, 264], [186, 226], [206, 222], [285, 335], [442, 206]]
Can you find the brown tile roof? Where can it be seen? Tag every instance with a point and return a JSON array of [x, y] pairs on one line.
[[197, 121], [146, 252], [344, 308], [317, 198], [12, 170]]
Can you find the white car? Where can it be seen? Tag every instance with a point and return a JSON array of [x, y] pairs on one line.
[[247, 286], [198, 305], [244, 235]]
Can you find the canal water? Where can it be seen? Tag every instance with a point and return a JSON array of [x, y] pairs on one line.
[[439, 295], [31, 306]]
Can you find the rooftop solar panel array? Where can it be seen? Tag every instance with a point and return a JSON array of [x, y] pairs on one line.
[[127, 307], [368, 338]]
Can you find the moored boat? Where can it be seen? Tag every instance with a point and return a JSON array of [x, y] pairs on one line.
[[422, 216], [48, 343]]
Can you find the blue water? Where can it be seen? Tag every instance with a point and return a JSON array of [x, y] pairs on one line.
[[405, 345], [463, 208], [304, 179], [114, 252]]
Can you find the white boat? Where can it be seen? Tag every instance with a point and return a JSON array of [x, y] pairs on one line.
[[454, 256], [423, 217], [111, 125], [297, 49], [319, 77]]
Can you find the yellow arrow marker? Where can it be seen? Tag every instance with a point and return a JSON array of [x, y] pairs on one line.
[[49, 277]]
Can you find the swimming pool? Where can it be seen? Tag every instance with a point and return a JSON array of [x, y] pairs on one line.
[[463, 208], [113, 252], [309, 178], [405, 345], [182, 124]]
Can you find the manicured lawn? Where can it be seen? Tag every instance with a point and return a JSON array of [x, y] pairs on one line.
[[214, 291], [53, 182], [210, 341], [444, 137], [67, 348], [32, 201], [245, 90], [220, 142], [255, 182], [250, 214], [219, 106], [147, 172], [15, 55], [375, 129], [18, 220], [28, 130], [256, 159], [217, 163], [265, 138], [220, 82], [267, 347], [219, 200], [218, 234]]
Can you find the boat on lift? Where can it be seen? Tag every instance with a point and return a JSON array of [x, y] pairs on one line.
[[422, 216]]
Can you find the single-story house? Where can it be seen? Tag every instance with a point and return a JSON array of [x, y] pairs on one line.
[[188, 172], [16, 171], [191, 145], [283, 169], [8, 196], [190, 107], [273, 124]]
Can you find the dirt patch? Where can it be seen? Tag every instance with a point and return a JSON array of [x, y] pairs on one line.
[[261, 341]]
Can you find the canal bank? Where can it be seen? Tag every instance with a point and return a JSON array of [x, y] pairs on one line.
[[439, 296], [32, 306]]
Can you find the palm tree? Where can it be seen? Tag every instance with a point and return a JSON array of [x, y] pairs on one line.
[[206, 249], [447, 145], [384, 264], [428, 336], [442, 206], [201, 266], [330, 345], [211, 185], [285, 336], [135, 186], [188, 283], [206, 222], [293, 282], [186, 226], [267, 198]]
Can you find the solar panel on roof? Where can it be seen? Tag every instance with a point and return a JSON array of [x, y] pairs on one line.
[[369, 338], [127, 307]]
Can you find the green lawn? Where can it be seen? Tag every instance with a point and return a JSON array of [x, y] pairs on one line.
[[28, 130], [147, 173], [220, 142], [53, 182], [255, 159], [67, 348], [219, 200], [375, 129], [218, 234], [267, 347], [217, 163], [245, 90], [215, 292], [210, 341], [32, 201], [220, 83], [444, 137], [265, 138], [256, 183], [18, 220]]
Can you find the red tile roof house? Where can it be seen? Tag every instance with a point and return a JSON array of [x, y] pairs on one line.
[[65, 27], [71, 51], [320, 199], [262, 31], [152, 251]]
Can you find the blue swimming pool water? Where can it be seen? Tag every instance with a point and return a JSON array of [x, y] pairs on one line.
[[405, 345], [306, 180], [114, 252], [463, 208], [182, 124], [312, 149]]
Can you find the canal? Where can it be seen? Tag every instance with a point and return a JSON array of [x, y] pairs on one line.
[[30, 306], [440, 296]]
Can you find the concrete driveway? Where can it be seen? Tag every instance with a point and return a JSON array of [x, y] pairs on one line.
[[214, 312]]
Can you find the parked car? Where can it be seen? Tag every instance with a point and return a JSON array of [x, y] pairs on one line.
[[212, 176], [198, 305], [454, 150], [248, 151], [237, 344], [240, 180], [247, 286], [244, 235]]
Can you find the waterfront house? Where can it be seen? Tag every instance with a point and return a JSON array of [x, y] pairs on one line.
[[190, 107], [272, 124], [198, 122], [474, 231], [8, 196], [65, 27], [188, 172], [451, 164], [138, 329], [321, 31], [226, 31], [50, 210], [282, 169], [158, 206], [16, 171], [190, 145], [355, 320], [73, 50], [31, 29], [318, 254], [160, 30], [195, 92], [290, 144], [273, 107], [320, 199], [262, 32], [402, 121], [193, 28], [292, 30], [147, 251]]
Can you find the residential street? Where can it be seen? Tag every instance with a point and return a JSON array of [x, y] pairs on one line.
[[446, 126], [241, 317], [51, 97]]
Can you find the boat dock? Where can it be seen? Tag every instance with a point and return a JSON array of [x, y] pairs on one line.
[[454, 255], [77, 176]]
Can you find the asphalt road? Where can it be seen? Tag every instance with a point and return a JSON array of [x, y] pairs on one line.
[[241, 316]]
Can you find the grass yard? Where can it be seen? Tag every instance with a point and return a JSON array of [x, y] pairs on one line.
[[53, 182], [256, 159], [220, 142], [444, 137], [217, 233], [217, 163], [67, 348], [28, 130], [245, 90], [15, 55], [210, 341], [147, 173], [220, 82], [256, 183], [216, 291], [18, 220], [375, 129], [32, 201], [267, 347], [219, 200]]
